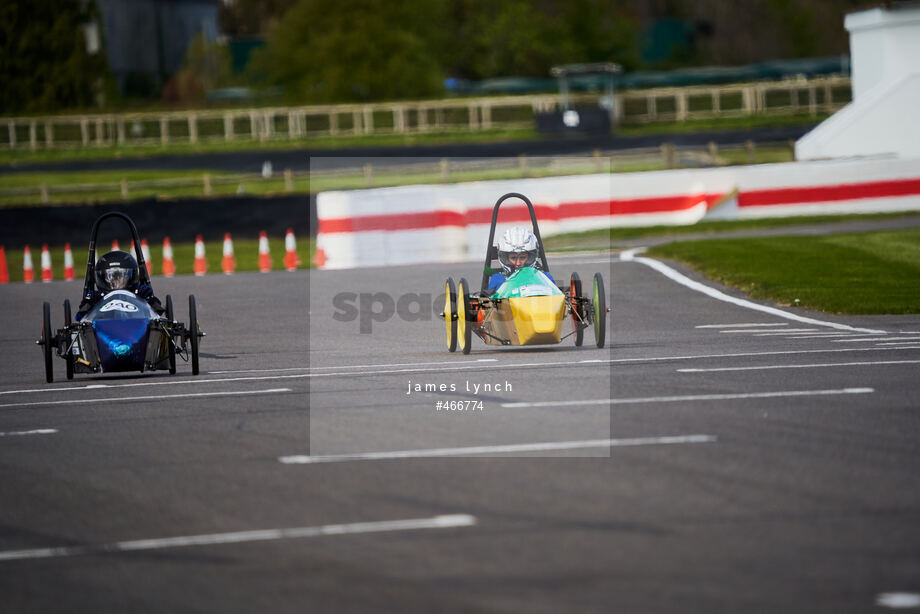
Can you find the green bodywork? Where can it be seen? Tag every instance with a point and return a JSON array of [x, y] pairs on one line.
[[527, 281]]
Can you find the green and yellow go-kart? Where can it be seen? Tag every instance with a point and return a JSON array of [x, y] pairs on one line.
[[528, 309]]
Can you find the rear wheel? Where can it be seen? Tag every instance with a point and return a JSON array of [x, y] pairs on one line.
[[575, 298], [170, 342], [450, 309], [46, 341], [194, 333], [464, 326], [68, 357], [600, 310]]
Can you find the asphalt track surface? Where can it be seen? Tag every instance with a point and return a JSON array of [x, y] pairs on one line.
[[731, 462]]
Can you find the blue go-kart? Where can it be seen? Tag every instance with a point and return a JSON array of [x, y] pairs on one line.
[[121, 333]]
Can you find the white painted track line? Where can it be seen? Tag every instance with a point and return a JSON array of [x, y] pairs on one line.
[[32, 432], [864, 339], [464, 367], [694, 397], [413, 524], [760, 331], [501, 449], [750, 325], [718, 295], [156, 397], [811, 366], [405, 364]]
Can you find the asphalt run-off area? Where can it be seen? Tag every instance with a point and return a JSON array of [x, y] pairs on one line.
[[717, 454]]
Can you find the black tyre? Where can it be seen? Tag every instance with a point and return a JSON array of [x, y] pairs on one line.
[[47, 341], [450, 309], [68, 356], [575, 298], [171, 316], [464, 321], [599, 299], [194, 332]]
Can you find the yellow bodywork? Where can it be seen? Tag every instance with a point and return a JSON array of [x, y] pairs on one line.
[[526, 320]]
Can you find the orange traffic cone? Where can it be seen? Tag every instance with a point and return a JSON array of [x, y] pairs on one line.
[[145, 250], [4, 272], [169, 265], [68, 263], [201, 265], [229, 262], [290, 248], [115, 247], [28, 273], [265, 259], [47, 273]]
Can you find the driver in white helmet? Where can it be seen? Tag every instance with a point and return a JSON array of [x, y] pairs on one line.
[[517, 249]]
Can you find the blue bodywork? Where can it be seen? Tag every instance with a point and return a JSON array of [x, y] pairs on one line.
[[121, 323]]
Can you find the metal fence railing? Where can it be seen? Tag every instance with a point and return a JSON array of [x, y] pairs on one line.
[[790, 96]]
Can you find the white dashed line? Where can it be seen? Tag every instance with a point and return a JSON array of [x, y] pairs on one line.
[[864, 340], [898, 600], [503, 449], [751, 325], [811, 366], [437, 522], [760, 331], [33, 432], [694, 397], [406, 364], [156, 397]]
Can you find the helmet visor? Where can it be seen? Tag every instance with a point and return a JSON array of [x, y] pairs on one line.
[[116, 278]]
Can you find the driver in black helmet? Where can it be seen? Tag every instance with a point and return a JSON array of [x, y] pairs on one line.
[[118, 271]]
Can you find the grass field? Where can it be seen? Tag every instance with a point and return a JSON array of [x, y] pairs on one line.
[[855, 273], [608, 237], [246, 251]]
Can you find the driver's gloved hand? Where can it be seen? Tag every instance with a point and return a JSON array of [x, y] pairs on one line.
[[155, 304], [91, 298], [144, 291]]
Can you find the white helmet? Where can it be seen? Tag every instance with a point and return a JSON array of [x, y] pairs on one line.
[[515, 242]]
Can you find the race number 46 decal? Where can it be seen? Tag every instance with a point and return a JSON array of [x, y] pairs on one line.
[[119, 306]]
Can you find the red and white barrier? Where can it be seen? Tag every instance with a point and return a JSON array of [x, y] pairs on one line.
[[450, 223]]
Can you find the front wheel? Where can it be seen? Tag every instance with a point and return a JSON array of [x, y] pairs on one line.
[[194, 332], [464, 325], [171, 316], [450, 310], [68, 357], [600, 310], [46, 341]]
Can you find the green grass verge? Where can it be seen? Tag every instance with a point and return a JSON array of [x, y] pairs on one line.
[[854, 273], [606, 238], [246, 251]]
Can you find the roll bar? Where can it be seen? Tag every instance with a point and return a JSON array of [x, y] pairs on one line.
[[492, 253], [90, 281]]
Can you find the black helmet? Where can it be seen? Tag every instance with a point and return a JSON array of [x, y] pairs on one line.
[[116, 271]]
